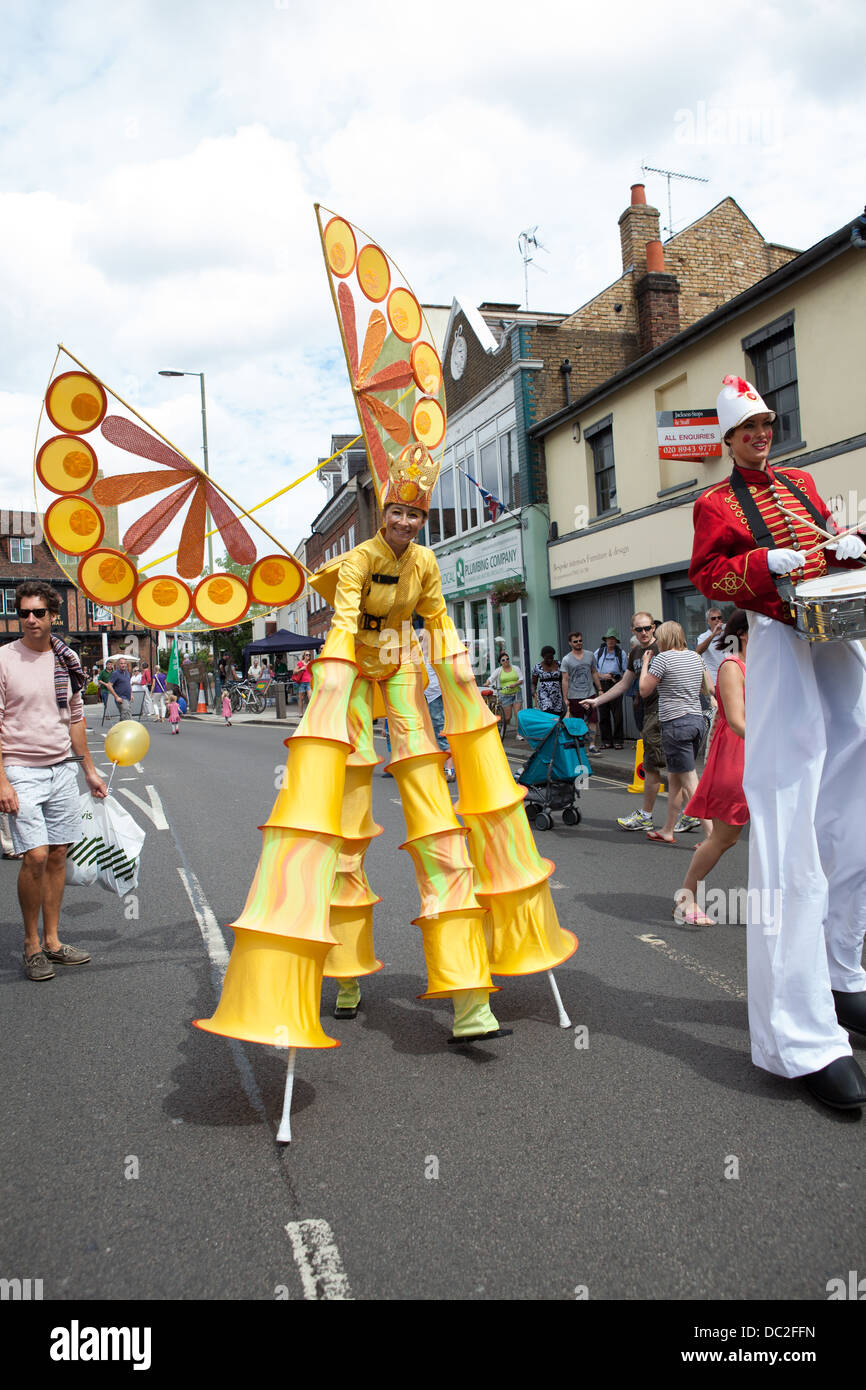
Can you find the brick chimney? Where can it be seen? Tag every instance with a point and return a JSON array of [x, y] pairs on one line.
[[657, 296], [638, 225]]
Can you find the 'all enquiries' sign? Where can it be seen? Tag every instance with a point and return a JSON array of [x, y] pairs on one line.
[[688, 434]]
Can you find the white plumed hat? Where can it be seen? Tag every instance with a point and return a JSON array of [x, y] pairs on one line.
[[738, 400]]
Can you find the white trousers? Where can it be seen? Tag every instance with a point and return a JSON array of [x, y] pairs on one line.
[[805, 782]]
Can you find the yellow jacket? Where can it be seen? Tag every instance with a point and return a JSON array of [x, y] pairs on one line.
[[374, 593]]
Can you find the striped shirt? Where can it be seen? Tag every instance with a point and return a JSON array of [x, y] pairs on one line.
[[679, 674], [34, 730]]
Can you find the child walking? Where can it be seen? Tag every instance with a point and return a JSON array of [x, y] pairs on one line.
[[174, 715], [227, 710]]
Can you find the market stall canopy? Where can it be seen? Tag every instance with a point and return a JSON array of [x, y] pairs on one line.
[[281, 641]]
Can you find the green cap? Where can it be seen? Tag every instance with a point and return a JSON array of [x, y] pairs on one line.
[[612, 632]]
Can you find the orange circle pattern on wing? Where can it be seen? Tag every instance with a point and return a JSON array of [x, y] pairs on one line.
[[107, 576], [404, 315], [73, 525], [162, 601], [76, 403], [374, 273], [275, 580], [221, 600], [66, 464], [340, 247]]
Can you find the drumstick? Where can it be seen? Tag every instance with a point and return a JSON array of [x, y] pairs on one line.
[[823, 545], [805, 520]]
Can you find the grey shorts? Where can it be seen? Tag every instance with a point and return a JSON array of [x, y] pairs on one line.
[[681, 739], [48, 806]]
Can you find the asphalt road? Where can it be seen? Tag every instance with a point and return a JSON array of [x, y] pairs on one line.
[[637, 1155]]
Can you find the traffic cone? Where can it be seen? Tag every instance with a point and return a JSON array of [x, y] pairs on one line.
[[201, 707], [636, 784]]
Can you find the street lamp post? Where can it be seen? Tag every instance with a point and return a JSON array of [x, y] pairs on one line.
[[208, 528]]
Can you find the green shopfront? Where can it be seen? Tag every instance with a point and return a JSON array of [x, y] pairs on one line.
[[483, 583]]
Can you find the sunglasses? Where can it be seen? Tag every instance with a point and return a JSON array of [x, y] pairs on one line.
[[642, 629], [35, 612]]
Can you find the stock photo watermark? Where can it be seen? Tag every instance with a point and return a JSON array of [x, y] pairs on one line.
[[23, 525], [704, 124], [77, 1343], [731, 907], [21, 1290], [849, 1287]]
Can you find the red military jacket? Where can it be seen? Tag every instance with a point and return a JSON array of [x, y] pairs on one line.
[[727, 566]]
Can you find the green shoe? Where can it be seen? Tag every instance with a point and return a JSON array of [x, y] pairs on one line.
[[473, 1017], [348, 999]]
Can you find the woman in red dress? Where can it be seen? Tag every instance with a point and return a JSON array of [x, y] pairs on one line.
[[719, 795]]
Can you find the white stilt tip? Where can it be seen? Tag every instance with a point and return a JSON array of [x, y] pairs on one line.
[[564, 1020], [284, 1133]]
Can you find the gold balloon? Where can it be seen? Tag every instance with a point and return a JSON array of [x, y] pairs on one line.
[[127, 743]]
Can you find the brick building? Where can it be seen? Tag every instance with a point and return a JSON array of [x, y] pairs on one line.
[[621, 514], [508, 368], [24, 554]]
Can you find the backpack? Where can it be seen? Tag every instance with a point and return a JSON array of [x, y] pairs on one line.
[[621, 662]]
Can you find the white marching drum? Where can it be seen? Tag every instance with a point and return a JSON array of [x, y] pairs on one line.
[[831, 608]]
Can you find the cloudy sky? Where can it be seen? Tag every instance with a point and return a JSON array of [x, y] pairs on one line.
[[160, 161]]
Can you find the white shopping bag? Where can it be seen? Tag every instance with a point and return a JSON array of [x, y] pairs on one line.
[[108, 849]]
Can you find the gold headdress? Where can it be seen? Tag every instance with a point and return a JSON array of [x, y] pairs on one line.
[[411, 479]]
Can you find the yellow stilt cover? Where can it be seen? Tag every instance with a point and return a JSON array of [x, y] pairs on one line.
[[272, 989], [521, 927]]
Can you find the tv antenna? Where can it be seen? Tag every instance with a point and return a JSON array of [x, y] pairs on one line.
[[671, 174], [528, 242]]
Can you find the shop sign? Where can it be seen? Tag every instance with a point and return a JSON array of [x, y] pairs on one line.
[[482, 563]]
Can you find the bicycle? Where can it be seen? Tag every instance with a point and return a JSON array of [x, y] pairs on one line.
[[246, 696]]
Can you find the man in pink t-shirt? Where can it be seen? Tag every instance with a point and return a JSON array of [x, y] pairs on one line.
[[42, 738]]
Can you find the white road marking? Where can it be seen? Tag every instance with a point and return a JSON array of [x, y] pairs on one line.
[[207, 923], [154, 811], [219, 958], [555, 883], [711, 976], [318, 1261]]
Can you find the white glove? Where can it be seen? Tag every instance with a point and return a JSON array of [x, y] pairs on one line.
[[849, 548], [784, 561]]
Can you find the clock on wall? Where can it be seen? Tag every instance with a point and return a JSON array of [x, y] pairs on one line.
[[458, 355]]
